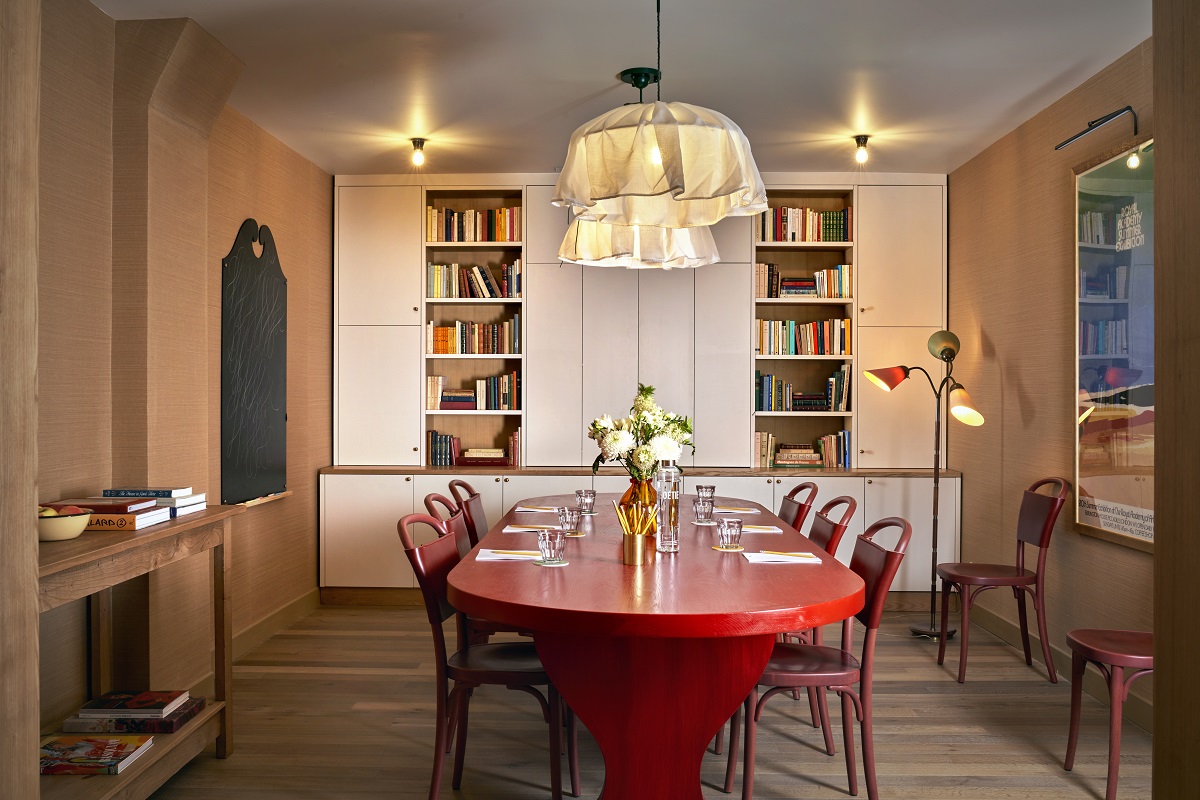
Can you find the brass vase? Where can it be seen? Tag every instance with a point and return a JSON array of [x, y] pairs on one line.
[[633, 549], [640, 493]]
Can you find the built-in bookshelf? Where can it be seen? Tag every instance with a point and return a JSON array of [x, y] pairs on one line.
[[803, 337], [474, 322]]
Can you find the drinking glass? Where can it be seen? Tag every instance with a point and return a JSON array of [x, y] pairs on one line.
[[568, 520], [729, 533], [703, 507], [551, 545], [706, 492], [586, 500]]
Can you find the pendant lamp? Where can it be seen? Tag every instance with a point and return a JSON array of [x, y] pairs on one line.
[[598, 244]]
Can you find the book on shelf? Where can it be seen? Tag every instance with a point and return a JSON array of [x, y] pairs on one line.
[[149, 491], [68, 754], [473, 225], [178, 502], [183, 511], [442, 449], [133, 705], [803, 224], [171, 723], [434, 386], [483, 451], [129, 522], [108, 505], [484, 461]]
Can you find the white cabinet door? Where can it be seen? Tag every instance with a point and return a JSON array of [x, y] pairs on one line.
[[554, 365], [610, 346], [724, 418], [379, 264], [379, 395], [912, 499], [359, 543], [758, 489], [666, 352], [895, 429], [900, 256], [734, 237], [524, 487], [829, 488], [545, 226]]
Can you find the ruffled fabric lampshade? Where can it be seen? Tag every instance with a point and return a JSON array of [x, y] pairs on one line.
[[637, 247], [668, 165]]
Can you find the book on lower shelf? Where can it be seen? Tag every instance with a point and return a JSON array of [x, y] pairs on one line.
[[68, 754], [171, 723], [189, 500], [149, 491], [182, 511], [108, 505], [129, 522], [128, 704]]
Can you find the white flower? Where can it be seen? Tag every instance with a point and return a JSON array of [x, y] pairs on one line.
[[616, 444], [643, 458], [599, 426], [665, 448], [645, 403]]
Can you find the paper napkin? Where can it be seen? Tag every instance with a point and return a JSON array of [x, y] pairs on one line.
[[507, 555], [761, 529], [550, 509], [781, 558], [530, 528], [734, 510]]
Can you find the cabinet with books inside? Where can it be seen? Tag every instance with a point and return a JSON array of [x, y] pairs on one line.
[[804, 330], [474, 318]]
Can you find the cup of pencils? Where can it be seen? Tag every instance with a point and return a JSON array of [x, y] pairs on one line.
[[637, 523]]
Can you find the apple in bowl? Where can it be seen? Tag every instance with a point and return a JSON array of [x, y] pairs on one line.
[[64, 522]]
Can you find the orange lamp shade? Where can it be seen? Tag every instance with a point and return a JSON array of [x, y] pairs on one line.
[[887, 378], [962, 408]]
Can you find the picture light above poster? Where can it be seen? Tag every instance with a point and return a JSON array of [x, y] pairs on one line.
[[253, 368]]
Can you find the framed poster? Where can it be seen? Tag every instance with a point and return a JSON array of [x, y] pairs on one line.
[[1114, 452]]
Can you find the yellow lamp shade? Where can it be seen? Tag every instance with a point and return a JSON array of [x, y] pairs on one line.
[[962, 408], [886, 378]]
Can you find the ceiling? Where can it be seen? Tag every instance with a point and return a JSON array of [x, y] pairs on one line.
[[498, 85]]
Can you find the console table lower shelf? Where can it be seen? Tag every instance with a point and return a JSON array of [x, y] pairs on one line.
[[88, 567]]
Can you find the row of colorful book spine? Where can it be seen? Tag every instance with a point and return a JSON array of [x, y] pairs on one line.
[[804, 225], [835, 282], [452, 281], [472, 225], [775, 337], [474, 338], [1111, 284], [1104, 338], [774, 393]]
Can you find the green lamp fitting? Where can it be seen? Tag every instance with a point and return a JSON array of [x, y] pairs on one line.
[[944, 345]]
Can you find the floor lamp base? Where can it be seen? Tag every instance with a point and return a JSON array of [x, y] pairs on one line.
[[931, 633]]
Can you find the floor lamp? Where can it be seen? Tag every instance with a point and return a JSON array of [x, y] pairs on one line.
[[943, 345]]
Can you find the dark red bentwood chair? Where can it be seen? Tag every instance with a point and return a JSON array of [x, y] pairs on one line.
[[1113, 652], [793, 666], [794, 510], [1034, 526], [514, 665], [454, 518], [472, 505]]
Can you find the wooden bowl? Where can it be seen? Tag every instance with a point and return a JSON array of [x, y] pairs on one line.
[[62, 526]]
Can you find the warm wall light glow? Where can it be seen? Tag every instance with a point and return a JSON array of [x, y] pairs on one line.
[[962, 408], [418, 156], [886, 378], [1134, 161], [860, 155]]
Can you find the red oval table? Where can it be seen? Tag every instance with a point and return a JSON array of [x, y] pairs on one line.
[[654, 658]]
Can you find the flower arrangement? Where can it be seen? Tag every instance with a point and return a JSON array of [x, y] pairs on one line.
[[642, 439]]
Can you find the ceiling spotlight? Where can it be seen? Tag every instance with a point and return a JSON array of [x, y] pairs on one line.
[[418, 156], [1134, 161], [861, 154]]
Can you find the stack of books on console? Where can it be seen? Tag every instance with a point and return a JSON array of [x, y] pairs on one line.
[[117, 513], [135, 712], [175, 501], [797, 455], [483, 457]]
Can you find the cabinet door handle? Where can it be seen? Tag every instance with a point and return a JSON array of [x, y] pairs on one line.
[[415, 308], [497, 480], [414, 449], [779, 480], [860, 452], [506, 480], [408, 477], [870, 481], [768, 481]]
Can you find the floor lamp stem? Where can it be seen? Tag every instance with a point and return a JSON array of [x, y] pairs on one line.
[[933, 632]]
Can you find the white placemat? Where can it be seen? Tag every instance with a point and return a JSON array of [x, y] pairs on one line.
[[507, 555], [781, 558], [734, 510]]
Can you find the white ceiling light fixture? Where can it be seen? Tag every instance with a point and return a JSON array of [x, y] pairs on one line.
[[861, 155], [418, 156], [665, 165]]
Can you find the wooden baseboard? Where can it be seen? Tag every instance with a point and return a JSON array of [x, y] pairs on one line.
[[1138, 710], [357, 596]]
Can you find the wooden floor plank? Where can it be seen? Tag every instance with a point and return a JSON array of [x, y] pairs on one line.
[[340, 707]]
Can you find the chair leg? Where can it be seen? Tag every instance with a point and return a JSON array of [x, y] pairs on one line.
[[964, 598], [460, 745], [868, 746], [719, 741], [826, 731], [1077, 667], [556, 744], [1019, 595], [848, 740], [751, 706], [946, 587], [573, 750], [1116, 694], [735, 728], [1039, 605], [441, 737]]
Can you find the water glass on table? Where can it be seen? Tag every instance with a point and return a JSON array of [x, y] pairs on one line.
[[568, 520], [551, 545], [729, 533], [703, 509], [585, 499], [706, 492]]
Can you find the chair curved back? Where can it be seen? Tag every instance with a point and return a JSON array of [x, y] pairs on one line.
[[877, 566], [825, 532], [1035, 524], [794, 509], [471, 503], [431, 563], [454, 518]]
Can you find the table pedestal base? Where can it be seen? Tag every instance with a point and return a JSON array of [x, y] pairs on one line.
[[653, 704]]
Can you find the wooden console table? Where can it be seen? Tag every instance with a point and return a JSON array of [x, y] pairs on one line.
[[90, 566]]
